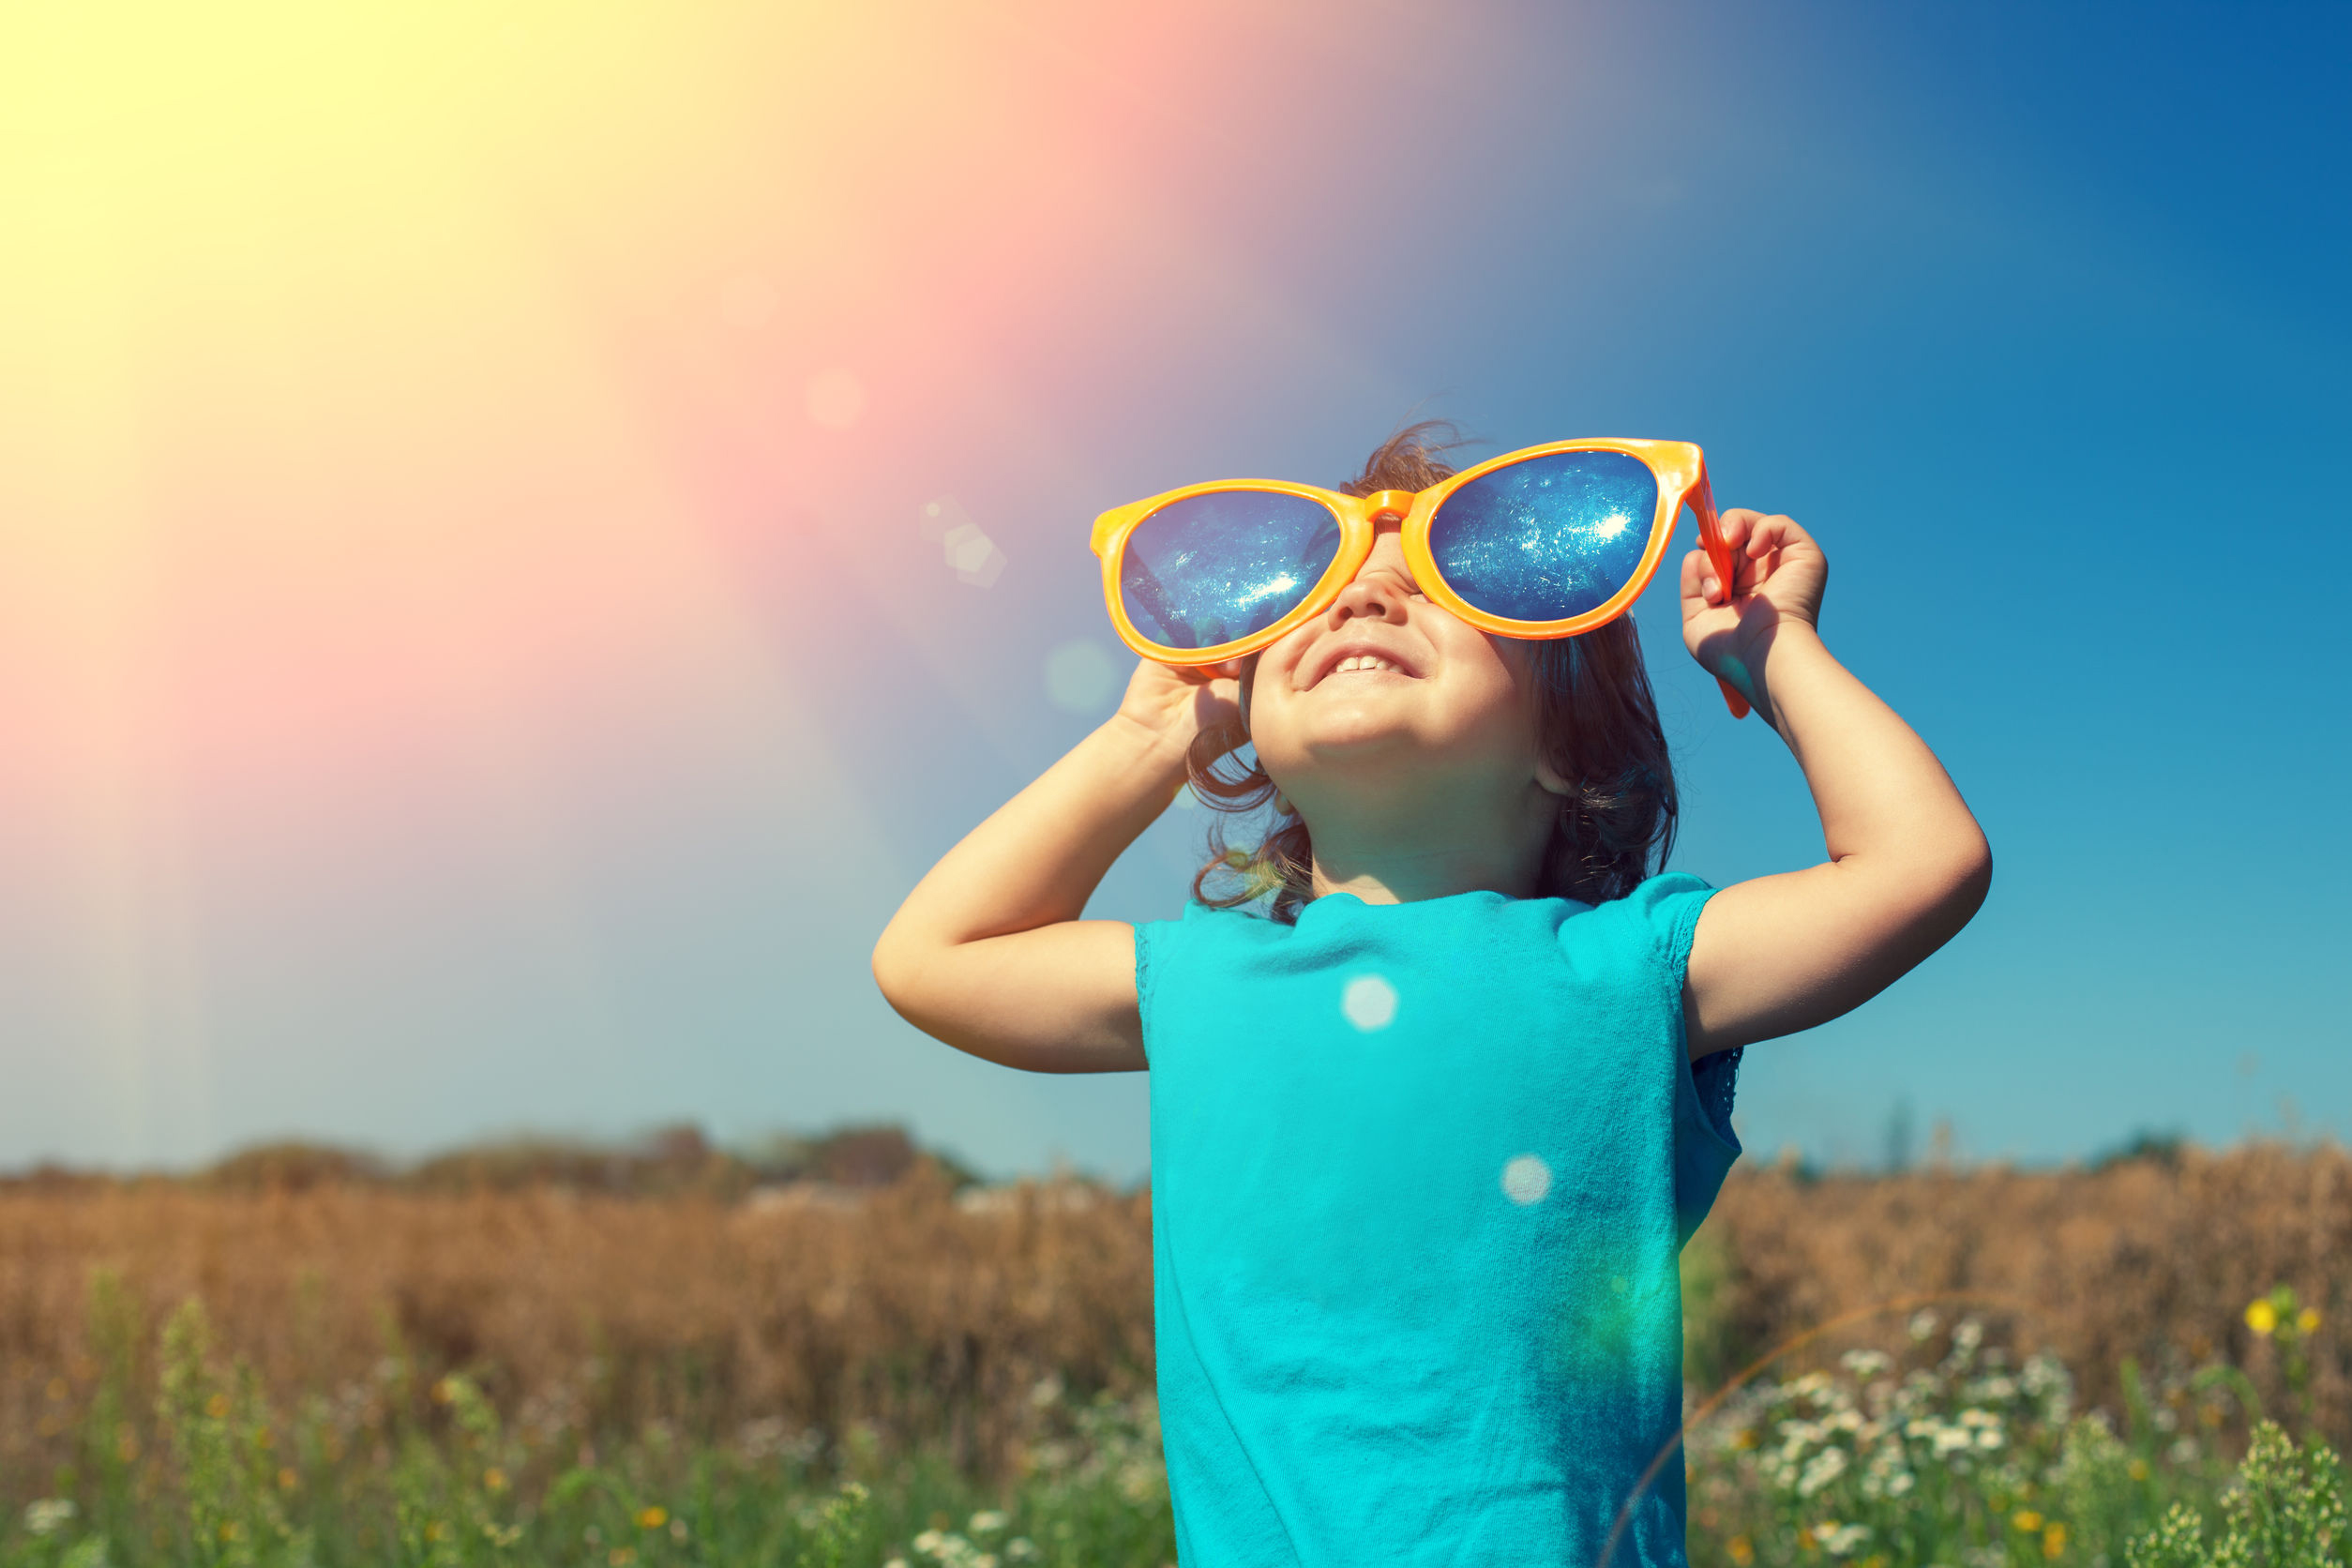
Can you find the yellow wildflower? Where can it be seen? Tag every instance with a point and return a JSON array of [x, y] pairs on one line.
[[1742, 1550], [231, 1530], [494, 1479], [2054, 1538], [1804, 1537], [2137, 1469], [217, 1407], [444, 1393], [2262, 1317], [620, 1557], [653, 1517], [2026, 1518], [286, 1479], [2307, 1320]]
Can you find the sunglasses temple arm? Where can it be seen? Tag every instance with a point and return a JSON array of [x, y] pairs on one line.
[[1710, 539]]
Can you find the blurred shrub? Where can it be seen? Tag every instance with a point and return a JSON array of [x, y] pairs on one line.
[[670, 1162]]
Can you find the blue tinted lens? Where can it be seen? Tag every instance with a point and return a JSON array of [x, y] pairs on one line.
[[1547, 538], [1216, 567]]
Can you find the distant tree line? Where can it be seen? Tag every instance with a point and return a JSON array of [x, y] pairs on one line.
[[670, 1162]]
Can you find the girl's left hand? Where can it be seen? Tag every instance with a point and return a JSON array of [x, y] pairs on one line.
[[1780, 573]]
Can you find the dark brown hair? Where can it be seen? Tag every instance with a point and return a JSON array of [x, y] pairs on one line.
[[1595, 720]]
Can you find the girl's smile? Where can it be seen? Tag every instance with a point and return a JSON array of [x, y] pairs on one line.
[[1369, 664], [1358, 654]]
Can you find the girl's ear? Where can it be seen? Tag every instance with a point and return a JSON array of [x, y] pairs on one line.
[[1551, 779]]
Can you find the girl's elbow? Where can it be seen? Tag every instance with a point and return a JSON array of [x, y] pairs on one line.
[[1937, 890], [905, 982], [1970, 879], [897, 970]]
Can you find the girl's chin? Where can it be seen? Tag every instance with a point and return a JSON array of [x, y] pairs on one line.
[[1332, 736]]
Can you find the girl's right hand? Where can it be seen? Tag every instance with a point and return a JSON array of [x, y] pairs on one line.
[[1729, 626], [1179, 701]]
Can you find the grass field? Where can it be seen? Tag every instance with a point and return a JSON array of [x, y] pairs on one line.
[[351, 1374]]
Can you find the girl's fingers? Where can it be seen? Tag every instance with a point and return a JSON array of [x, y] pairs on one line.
[[1699, 578], [1757, 541], [1770, 534]]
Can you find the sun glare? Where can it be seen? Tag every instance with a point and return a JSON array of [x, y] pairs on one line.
[[325, 485], [401, 402]]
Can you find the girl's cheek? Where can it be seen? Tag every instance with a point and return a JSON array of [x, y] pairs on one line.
[[1270, 723]]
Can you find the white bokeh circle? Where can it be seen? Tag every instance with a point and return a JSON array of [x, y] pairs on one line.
[[1526, 1179], [1369, 1003]]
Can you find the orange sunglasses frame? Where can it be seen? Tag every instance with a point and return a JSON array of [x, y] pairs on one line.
[[1679, 467]]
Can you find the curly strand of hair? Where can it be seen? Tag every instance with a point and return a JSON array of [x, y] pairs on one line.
[[1601, 732], [1283, 862], [1410, 460]]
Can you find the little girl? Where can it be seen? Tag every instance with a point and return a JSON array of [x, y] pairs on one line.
[[1431, 1124]]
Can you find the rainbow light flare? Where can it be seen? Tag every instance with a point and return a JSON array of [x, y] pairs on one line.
[[371, 377]]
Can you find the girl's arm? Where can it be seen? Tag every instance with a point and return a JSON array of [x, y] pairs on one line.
[[988, 953], [1907, 864]]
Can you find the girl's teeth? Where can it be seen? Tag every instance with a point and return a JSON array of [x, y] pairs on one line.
[[1363, 661]]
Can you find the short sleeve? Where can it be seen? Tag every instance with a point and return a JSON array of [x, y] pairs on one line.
[[1147, 937], [1159, 949], [1666, 908], [1671, 902]]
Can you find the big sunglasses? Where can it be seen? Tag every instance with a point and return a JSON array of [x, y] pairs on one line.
[[1546, 541]]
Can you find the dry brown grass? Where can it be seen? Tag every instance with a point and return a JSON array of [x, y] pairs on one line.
[[2141, 1258], [598, 1314], [932, 1321]]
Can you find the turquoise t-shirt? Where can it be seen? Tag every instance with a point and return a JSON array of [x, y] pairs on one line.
[[1420, 1176]]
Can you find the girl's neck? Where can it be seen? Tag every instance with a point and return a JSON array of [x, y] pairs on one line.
[[1402, 857]]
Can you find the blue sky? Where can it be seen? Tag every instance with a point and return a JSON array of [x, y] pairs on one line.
[[2033, 314]]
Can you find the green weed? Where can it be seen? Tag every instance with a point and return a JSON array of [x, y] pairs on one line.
[[1947, 1454]]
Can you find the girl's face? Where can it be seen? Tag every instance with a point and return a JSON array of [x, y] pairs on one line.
[[1387, 689]]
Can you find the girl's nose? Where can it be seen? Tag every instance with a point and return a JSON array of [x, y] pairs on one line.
[[1378, 593]]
